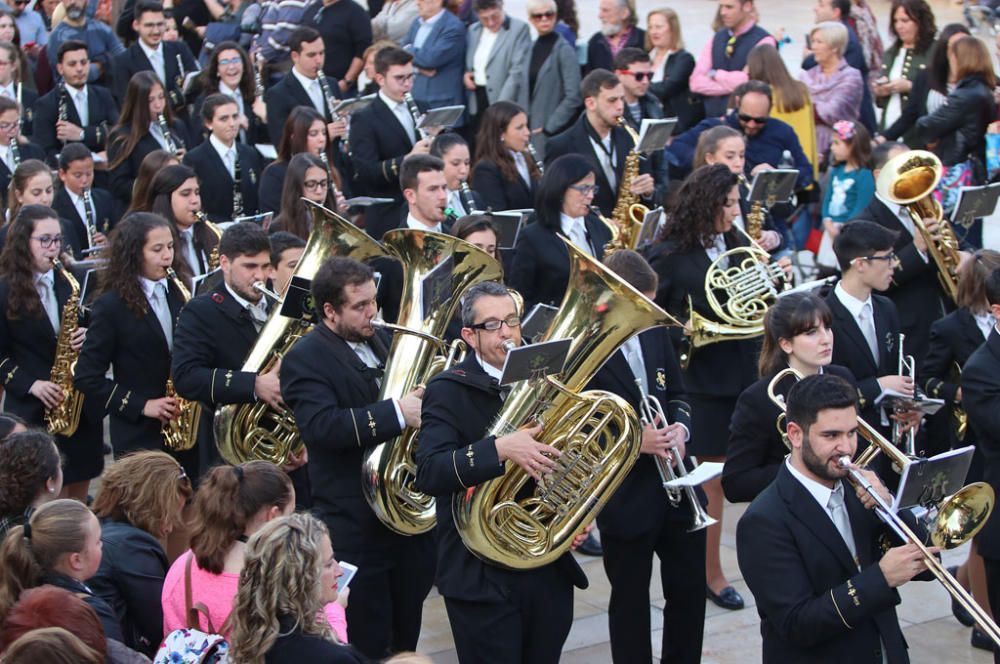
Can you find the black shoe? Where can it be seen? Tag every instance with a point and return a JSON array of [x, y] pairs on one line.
[[728, 598], [961, 615], [590, 547], [980, 640]]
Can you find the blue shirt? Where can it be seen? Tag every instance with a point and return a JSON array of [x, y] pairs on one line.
[[101, 43], [32, 27]]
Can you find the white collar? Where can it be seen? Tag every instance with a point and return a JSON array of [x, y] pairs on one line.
[[393, 105], [899, 210], [433, 19], [74, 198], [150, 51], [220, 147], [306, 83], [569, 223], [241, 301], [490, 370], [12, 87], [226, 90], [413, 222], [48, 277], [851, 303], [149, 286], [815, 489], [73, 92]]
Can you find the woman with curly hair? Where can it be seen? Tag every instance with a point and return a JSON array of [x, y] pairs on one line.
[[698, 231], [141, 501], [59, 546], [505, 175], [32, 297], [913, 27], [131, 330], [288, 575], [30, 474], [229, 71]]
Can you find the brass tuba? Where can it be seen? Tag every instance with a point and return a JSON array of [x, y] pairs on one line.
[[437, 270], [65, 418], [628, 213], [181, 433], [513, 524], [909, 179], [250, 431]]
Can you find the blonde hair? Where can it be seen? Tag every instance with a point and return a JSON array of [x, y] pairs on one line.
[[673, 20], [143, 489], [281, 576], [53, 645], [834, 33]]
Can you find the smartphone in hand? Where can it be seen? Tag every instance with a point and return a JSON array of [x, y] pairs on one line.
[[345, 580]]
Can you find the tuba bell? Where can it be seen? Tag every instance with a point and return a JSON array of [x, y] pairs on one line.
[[516, 525], [437, 270], [253, 431]]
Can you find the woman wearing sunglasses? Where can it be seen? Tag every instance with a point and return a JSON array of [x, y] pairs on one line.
[[553, 77]]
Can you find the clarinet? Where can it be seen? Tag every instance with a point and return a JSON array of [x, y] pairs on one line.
[[237, 189], [534, 156], [63, 112], [88, 212], [329, 178], [330, 99], [465, 194], [415, 113], [161, 120], [180, 76], [258, 78], [15, 152]]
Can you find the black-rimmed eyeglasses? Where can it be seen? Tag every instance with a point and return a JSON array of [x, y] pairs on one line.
[[493, 324]]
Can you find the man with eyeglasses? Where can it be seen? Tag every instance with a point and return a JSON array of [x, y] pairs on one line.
[[331, 380], [635, 70], [721, 65], [90, 110], [496, 615], [10, 131], [102, 44], [865, 324]]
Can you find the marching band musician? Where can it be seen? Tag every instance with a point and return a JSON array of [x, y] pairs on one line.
[[305, 178], [10, 123], [215, 332], [597, 137], [809, 546], [90, 110], [639, 520], [32, 297], [331, 380], [797, 335], [304, 131], [88, 211], [496, 615], [504, 174], [176, 196], [230, 72], [132, 330], [698, 232], [227, 168], [454, 152], [286, 250]]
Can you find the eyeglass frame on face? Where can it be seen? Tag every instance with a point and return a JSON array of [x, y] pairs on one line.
[[493, 325], [46, 241], [313, 185], [745, 117], [4, 126], [637, 75], [228, 62], [585, 189], [540, 16], [891, 257]]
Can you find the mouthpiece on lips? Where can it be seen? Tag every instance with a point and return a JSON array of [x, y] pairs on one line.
[[844, 462], [509, 345]]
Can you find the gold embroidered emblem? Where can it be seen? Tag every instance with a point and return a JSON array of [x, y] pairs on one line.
[[471, 456], [661, 379], [229, 377], [371, 423]]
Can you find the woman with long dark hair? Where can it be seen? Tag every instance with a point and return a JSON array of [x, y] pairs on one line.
[[176, 196], [306, 178], [230, 72], [698, 230], [505, 175], [540, 269], [150, 166], [139, 132], [132, 332], [912, 24], [32, 297], [30, 184], [304, 132], [452, 149]]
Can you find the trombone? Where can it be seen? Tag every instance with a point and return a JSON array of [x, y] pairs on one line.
[[959, 517], [651, 413]]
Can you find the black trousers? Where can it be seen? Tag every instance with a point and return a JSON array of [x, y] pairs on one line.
[[529, 625], [993, 589], [387, 594], [629, 565]]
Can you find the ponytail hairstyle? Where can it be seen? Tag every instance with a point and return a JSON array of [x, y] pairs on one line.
[[789, 317], [227, 500], [30, 552], [709, 141]]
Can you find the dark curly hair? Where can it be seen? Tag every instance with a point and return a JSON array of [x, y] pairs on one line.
[[27, 460], [126, 257], [699, 201], [921, 14], [16, 262], [209, 77]]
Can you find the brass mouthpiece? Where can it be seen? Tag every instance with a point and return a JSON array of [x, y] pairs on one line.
[[261, 288]]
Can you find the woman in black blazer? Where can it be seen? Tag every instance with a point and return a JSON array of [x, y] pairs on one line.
[[307, 178], [797, 334], [289, 574], [139, 132], [540, 269], [505, 175], [672, 67], [700, 227], [28, 341], [229, 71], [126, 334]]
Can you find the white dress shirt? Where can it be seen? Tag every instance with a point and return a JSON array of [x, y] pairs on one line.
[[718, 247], [226, 154], [821, 494], [481, 57], [522, 167], [157, 132], [7, 156], [985, 322], [575, 228], [607, 157], [81, 209], [402, 114], [903, 214], [365, 353], [9, 91], [188, 251], [235, 94], [312, 88], [155, 57], [45, 286], [413, 222], [258, 310], [79, 98], [455, 203]]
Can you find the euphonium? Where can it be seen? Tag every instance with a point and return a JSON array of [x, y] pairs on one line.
[[909, 180], [521, 526], [253, 431], [628, 212], [65, 418], [181, 433], [389, 469]]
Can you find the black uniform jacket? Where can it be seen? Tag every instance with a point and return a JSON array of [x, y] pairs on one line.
[[218, 187], [133, 60], [452, 456], [104, 207], [102, 115], [334, 396], [499, 192]]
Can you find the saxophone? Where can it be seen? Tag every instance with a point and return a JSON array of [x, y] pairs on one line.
[[181, 433], [65, 418], [628, 212], [213, 257], [755, 217]]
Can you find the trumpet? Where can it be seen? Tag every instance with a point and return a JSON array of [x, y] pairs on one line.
[[651, 412], [906, 367]]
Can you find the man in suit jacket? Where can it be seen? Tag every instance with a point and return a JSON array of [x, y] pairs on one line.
[[171, 61], [597, 137], [502, 73], [225, 167], [915, 289], [497, 615], [382, 135], [437, 41], [87, 213], [216, 331], [10, 130], [866, 325], [639, 520], [810, 550], [90, 110], [331, 380]]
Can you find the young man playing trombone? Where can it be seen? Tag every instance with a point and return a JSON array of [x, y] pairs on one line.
[[809, 546]]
